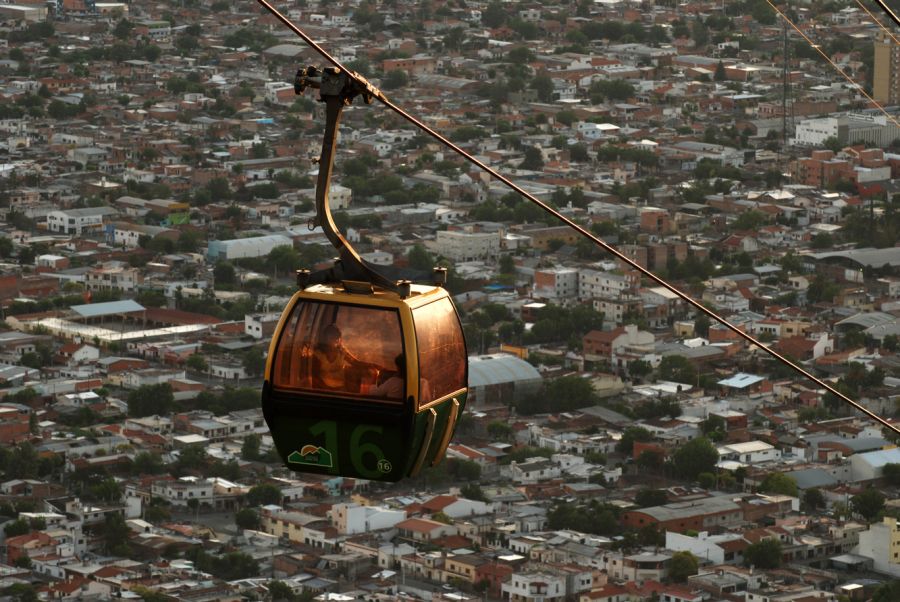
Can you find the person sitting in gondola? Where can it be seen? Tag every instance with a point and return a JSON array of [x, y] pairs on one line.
[[335, 368], [391, 385]]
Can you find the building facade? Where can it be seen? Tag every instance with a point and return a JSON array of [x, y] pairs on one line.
[[886, 81]]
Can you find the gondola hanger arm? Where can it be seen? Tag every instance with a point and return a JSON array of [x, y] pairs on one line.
[[378, 94]]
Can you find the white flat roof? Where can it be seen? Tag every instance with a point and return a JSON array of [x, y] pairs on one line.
[[68, 329], [746, 448]]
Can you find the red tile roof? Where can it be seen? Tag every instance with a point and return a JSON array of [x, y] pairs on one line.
[[419, 525], [439, 502]]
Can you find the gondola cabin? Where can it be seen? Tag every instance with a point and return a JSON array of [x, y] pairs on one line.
[[365, 382]]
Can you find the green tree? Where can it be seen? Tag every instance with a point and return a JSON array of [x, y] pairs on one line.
[[868, 504], [116, 535], [247, 518], [682, 566], [107, 490], [279, 591], [639, 368], [157, 512], [696, 456], [395, 79], [646, 498], [833, 144], [887, 592], [473, 491], [677, 368], [223, 273], [192, 458], [765, 554], [284, 259], [720, 74], [265, 494], [632, 434], [145, 463], [250, 447], [23, 562], [23, 462], [494, 14], [499, 431], [21, 592], [150, 400], [17, 527], [780, 483], [253, 361], [197, 362], [420, 259], [534, 159], [813, 499], [891, 473], [714, 428]]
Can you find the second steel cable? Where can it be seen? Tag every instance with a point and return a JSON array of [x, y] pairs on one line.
[[581, 230]]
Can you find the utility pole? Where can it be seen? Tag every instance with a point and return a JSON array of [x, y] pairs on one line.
[[785, 90]]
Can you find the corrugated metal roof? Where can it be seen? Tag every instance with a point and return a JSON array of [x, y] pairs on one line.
[[877, 459], [812, 477], [500, 368], [95, 310], [874, 258], [868, 319]]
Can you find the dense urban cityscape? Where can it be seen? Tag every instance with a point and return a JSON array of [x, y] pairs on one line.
[[156, 197]]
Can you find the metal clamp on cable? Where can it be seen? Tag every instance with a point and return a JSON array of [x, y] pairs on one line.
[[333, 81]]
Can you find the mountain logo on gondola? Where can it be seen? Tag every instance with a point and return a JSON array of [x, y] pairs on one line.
[[311, 455]]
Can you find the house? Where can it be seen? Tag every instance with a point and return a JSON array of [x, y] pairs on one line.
[[466, 246], [750, 452], [78, 353], [455, 507], [725, 548], [464, 567], [15, 423], [350, 519], [556, 283], [645, 566], [114, 276], [36, 543], [533, 470], [535, 586], [423, 530], [618, 346], [704, 514], [78, 221]]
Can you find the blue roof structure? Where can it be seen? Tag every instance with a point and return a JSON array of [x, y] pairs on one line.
[[740, 381], [111, 308], [500, 368]]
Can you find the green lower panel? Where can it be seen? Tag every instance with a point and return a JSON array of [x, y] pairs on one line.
[[377, 451], [351, 449]]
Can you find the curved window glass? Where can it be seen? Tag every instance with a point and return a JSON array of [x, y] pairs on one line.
[[442, 350], [341, 349]]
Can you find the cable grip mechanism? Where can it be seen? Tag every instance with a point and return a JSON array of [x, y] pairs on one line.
[[333, 81]]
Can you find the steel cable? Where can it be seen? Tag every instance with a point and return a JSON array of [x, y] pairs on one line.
[[581, 230]]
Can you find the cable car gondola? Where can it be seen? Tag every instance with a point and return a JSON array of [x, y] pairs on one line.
[[366, 376], [422, 428]]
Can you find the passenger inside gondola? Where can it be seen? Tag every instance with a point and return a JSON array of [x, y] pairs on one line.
[[391, 383], [335, 368]]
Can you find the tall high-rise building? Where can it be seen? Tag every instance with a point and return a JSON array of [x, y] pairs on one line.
[[886, 80]]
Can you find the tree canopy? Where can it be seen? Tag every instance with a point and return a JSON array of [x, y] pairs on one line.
[[694, 457]]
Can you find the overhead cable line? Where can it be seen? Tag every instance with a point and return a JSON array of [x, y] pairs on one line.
[[818, 49], [889, 12], [880, 24], [376, 93]]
